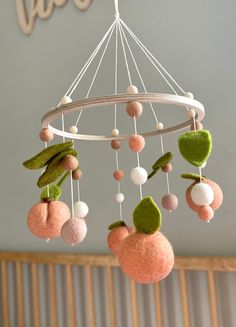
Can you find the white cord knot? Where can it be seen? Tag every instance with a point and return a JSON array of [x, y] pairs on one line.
[[117, 15]]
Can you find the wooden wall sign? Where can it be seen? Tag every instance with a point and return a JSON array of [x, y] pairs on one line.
[[28, 13]]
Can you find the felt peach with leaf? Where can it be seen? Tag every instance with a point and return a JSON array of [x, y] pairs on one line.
[[118, 232], [146, 256]]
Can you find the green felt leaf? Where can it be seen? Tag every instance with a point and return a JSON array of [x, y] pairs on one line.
[[195, 147], [147, 216], [194, 177], [64, 177], [54, 193], [162, 161], [41, 159], [117, 224], [54, 170]]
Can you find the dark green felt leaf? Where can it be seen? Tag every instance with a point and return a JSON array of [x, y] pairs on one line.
[[162, 161], [194, 177], [54, 170], [54, 193], [117, 224], [195, 147], [147, 216], [41, 159], [152, 173]]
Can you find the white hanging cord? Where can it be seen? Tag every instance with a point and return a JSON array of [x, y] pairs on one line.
[[78, 78], [72, 195], [117, 14], [124, 52], [195, 130], [145, 89], [150, 56], [43, 170], [96, 72]]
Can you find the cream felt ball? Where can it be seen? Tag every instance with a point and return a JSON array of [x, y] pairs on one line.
[[45, 219], [65, 100], [146, 258], [202, 194], [116, 237], [136, 143], [74, 230], [139, 175], [81, 209]]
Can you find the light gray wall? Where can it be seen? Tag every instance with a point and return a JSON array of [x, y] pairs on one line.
[[195, 40]]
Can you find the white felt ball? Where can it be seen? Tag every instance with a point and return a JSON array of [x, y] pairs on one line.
[[159, 126], [132, 89], [115, 132], [203, 165], [191, 113], [202, 194], [81, 209], [189, 95], [120, 197], [139, 175], [73, 129], [65, 100]]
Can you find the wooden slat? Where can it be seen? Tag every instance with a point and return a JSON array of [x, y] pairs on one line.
[[184, 298], [70, 297], [35, 295], [159, 314], [212, 299], [89, 280], [134, 304], [111, 298], [52, 296], [20, 295], [4, 295]]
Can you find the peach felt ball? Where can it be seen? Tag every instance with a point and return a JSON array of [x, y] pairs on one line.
[[218, 195], [169, 202], [45, 219], [77, 174], [74, 230], [116, 237], [136, 143], [46, 135], [134, 109], [118, 175], [146, 258], [69, 162], [205, 213]]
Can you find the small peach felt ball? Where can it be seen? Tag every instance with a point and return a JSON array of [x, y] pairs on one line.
[[134, 109], [206, 213], [198, 126], [45, 219], [146, 258], [169, 202], [167, 168], [69, 162], [46, 135], [74, 230], [77, 174], [115, 144], [118, 175], [136, 143], [116, 237]]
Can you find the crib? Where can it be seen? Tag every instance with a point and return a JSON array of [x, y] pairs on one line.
[[23, 294]]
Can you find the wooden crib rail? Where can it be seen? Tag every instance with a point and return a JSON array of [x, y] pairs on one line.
[[210, 265]]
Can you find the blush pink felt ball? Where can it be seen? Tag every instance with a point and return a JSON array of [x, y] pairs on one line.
[[69, 162], [205, 213], [74, 230], [46, 135], [218, 195], [134, 109], [146, 258], [136, 143], [118, 175], [116, 237], [46, 219], [169, 202]]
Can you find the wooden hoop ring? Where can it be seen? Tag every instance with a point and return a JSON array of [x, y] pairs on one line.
[[180, 101]]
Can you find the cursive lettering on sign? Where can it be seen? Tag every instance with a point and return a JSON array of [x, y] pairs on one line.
[[43, 9]]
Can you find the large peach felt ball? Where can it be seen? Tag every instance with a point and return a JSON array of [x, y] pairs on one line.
[[45, 219], [146, 258], [218, 195], [116, 237]]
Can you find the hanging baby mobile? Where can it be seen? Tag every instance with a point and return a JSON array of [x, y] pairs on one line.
[[144, 253]]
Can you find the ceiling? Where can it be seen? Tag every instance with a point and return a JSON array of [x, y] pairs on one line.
[[194, 40]]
